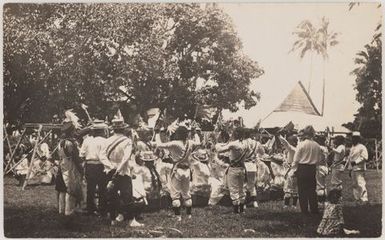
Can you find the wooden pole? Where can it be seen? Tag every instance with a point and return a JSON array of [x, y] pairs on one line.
[[376, 153], [8, 142], [14, 150], [32, 158], [13, 167]]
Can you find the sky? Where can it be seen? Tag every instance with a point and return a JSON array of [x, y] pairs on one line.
[[265, 30]]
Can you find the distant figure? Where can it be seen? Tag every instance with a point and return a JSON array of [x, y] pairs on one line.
[[357, 158], [306, 158]]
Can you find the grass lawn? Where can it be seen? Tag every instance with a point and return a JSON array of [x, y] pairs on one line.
[[32, 213]]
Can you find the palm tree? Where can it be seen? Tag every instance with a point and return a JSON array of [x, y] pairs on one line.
[[327, 39], [313, 40], [307, 41]]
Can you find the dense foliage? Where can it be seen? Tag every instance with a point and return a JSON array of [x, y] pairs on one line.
[[368, 84], [172, 56]]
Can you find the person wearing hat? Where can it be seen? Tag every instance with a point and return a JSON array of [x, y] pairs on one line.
[[307, 155], [70, 174], [145, 167], [95, 176], [115, 156], [200, 174], [338, 164], [180, 150], [357, 158]]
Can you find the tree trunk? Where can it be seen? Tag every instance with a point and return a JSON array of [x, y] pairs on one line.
[[323, 88], [311, 72]]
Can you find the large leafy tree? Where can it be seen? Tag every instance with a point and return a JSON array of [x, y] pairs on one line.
[[147, 55], [368, 74]]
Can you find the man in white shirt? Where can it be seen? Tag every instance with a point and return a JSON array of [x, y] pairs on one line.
[[308, 154], [115, 157], [94, 174], [357, 158]]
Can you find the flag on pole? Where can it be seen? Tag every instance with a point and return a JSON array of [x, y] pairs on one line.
[[219, 123], [119, 115], [71, 117], [84, 106], [205, 112], [173, 126], [153, 116]]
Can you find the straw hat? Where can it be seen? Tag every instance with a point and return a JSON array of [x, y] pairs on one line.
[[98, 125], [118, 124]]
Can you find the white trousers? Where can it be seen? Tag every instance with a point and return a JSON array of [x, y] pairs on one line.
[[66, 203], [251, 171], [179, 186], [235, 182], [359, 186]]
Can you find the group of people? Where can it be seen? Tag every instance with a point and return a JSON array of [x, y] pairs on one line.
[[132, 170]]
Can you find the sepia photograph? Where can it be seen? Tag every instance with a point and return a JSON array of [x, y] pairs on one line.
[[192, 120]]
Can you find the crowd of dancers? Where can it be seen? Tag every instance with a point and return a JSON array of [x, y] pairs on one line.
[[131, 171]]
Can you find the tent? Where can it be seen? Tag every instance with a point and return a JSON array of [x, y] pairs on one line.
[[299, 108]]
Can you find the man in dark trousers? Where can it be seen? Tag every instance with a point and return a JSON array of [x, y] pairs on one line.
[[115, 157], [94, 173], [308, 154]]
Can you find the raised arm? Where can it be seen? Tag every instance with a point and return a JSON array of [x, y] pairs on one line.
[[286, 144], [222, 147]]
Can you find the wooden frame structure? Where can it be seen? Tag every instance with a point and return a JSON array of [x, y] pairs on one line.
[[11, 165]]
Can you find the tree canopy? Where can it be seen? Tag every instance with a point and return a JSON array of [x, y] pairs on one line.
[[368, 84], [173, 56]]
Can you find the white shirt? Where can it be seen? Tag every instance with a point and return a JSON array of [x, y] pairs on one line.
[[308, 152], [91, 148], [235, 148], [178, 150], [119, 155], [358, 154]]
